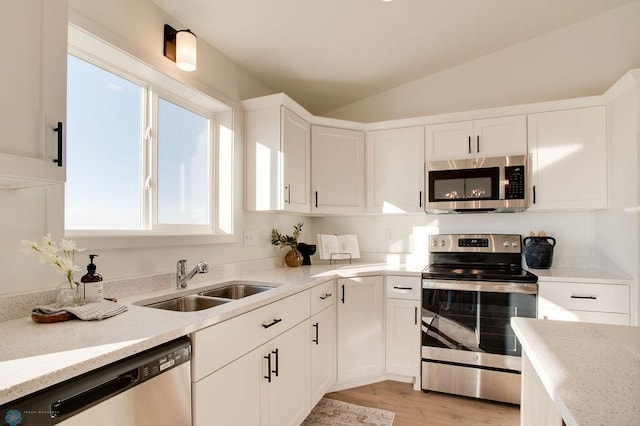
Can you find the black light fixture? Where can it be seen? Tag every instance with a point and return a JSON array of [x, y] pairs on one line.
[[181, 47]]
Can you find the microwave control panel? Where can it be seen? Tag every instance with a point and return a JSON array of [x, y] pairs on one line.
[[515, 182]]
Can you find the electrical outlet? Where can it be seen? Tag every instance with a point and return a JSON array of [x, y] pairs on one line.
[[249, 238]]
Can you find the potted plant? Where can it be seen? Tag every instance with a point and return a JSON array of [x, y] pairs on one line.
[[293, 256]]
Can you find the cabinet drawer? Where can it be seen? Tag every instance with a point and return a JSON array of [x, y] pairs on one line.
[[222, 343], [322, 296], [583, 297], [584, 316], [403, 287]]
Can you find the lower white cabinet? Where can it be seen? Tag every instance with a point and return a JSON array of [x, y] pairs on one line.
[[605, 303], [360, 327], [323, 353], [403, 337], [267, 386], [403, 318]]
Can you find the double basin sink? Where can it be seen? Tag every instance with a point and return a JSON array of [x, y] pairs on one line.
[[211, 298]]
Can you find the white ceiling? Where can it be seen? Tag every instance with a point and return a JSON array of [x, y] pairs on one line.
[[329, 53]]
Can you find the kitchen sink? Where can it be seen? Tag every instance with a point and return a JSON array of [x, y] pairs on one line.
[[236, 290], [188, 303]]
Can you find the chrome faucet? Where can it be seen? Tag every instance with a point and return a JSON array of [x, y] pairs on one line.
[[182, 278]]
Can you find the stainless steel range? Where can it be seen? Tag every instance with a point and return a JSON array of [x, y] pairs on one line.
[[472, 287]]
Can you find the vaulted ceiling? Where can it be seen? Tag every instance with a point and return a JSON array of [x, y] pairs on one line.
[[329, 53]]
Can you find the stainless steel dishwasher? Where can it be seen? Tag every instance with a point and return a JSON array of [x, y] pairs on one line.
[[149, 388]]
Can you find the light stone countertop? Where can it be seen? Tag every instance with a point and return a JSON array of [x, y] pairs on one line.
[[590, 371], [35, 356], [580, 275]]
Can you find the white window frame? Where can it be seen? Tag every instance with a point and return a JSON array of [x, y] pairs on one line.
[[99, 53]]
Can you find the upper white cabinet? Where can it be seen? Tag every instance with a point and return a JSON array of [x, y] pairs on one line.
[[33, 101], [492, 137], [277, 160], [395, 170], [337, 170], [569, 159]]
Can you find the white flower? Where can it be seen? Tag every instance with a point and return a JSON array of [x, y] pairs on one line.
[[48, 251]]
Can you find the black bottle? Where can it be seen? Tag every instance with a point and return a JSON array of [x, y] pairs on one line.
[[93, 288]]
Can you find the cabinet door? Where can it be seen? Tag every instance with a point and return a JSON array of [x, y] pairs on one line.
[[495, 137], [232, 395], [449, 141], [277, 145], [296, 151], [395, 170], [337, 170], [569, 159], [289, 390], [403, 337], [323, 353], [360, 327], [34, 94]]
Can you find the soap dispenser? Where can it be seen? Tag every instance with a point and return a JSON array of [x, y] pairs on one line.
[[93, 288]]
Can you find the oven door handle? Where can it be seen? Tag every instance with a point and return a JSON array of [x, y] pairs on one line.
[[481, 286]]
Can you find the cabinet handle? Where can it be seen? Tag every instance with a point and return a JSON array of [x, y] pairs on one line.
[[420, 199], [478, 143], [316, 199], [276, 370], [325, 296], [275, 321], [288, 189], [342, 293], [317, 327], [58, 130], [584, 296], [415, 315], [469, 144], [402, 288], [534, 194], [268, 376]]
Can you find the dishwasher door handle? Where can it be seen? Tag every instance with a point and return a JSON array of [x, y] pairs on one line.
[[98, 393]]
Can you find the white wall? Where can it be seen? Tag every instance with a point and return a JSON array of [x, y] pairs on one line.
[[136, 26], [408, 234], [580, 60]]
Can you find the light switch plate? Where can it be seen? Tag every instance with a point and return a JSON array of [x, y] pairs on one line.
[[249, 238]]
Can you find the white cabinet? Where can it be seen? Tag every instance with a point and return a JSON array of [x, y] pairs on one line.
[[337, 170], [569, 159], [403, 318], [360, 327], [584, 302], [268, 386], [33, 101], [395, 170], [492, 137], [277, 160], [261, 359], [323, 340]]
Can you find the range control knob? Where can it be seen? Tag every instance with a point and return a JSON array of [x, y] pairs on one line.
[[434, 242], [505, 244], [514, 244], [442, 243]]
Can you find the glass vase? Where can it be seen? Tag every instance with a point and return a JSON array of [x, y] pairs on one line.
[[67, 294]]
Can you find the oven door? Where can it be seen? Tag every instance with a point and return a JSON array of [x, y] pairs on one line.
[[475, 317]]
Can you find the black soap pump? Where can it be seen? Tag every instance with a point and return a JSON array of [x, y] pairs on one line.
[[93, 288]]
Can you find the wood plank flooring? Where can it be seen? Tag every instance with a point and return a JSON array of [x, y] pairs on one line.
[[429, 409]]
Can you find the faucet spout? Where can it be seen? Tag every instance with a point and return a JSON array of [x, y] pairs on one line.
[[182, 277]]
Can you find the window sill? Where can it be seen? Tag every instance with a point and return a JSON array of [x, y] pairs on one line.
[[133, 240]]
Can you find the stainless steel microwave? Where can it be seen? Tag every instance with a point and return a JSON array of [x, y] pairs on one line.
[[477, 185]]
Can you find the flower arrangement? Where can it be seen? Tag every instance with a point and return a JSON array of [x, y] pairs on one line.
[[280, 240], [60, 256]]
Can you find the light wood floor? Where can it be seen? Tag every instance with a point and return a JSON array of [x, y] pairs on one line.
[[429, 409]]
